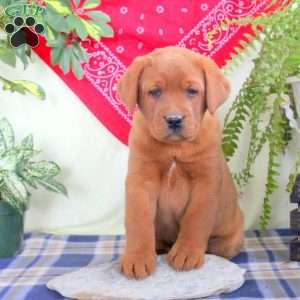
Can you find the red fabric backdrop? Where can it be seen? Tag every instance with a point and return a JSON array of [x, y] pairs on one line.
[[140, 26]]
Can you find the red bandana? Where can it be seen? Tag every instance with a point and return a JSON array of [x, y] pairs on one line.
[[141, 26]]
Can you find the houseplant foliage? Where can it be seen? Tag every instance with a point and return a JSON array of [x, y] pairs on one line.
[[262, 98], [67, 23], [19, 171]]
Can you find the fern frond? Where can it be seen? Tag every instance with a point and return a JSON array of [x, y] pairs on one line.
[[278, 34], [276, 143]]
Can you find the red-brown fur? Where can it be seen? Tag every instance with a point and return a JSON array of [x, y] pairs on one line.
[[180, 196]]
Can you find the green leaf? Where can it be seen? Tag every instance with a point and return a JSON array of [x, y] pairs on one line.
[[8, 197], [27, 142], [30, 180], [29, 153], [56, 21], [13, 159], [65, 59], [99, 16], [23, 87], [43, 169], [9, 160], [49, 33], [31, 87], [81, 31], [72, 21], [8, 55], [106, 30], [59, 41], [53, 186], [56, 55], [295, 59], [7, 137], [89, 4], [76, 67], [80, 52], [76, 24], [24, 53], [16, 187], [92, 29], [76, 2], [61, 7]]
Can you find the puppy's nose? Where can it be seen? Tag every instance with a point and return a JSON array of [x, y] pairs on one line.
[[174, 121]]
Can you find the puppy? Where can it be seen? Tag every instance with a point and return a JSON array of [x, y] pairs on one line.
[[180, 196]]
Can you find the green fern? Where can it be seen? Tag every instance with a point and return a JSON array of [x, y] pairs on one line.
[[259, 101], [275, 137]]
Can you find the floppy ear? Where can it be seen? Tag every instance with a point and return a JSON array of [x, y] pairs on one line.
[[217, 87], [128, 85]]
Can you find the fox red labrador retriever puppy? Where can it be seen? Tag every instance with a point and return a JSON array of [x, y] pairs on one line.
[[180, 196]]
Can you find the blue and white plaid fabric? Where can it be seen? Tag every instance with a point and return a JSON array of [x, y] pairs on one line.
[[269, 275]]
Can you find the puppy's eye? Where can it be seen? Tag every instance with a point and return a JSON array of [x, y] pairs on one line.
[[190, 92], [155, 93]]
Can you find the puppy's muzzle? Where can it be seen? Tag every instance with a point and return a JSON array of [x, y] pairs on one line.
[[174, 121]]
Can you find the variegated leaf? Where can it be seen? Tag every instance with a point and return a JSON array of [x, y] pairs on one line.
[[2, 173], [27, 142], [60, 6], [8, 197], [53, 185], [7, 137], [28, 178], [99, 16], [10, 159], [29, 153], [92, 29], [16, 187], [24, 86], [89, 4], [43, 169]]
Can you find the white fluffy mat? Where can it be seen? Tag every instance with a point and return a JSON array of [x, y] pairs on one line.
[[104, 281]]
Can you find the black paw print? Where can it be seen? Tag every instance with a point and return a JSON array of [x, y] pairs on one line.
[[24, 33]]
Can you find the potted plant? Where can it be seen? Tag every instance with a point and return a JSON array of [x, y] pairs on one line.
[[266, 102], [18, 173]]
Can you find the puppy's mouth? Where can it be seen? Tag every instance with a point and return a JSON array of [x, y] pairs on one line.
[[175, 135]]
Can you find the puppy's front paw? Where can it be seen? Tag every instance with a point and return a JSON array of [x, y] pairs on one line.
[[137, 265], [185, 257]]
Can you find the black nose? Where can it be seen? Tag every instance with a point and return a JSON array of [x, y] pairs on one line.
[[174, 121]]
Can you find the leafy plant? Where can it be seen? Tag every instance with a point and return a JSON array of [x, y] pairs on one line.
[[19, 172], [262, 98], [23, 87], [67, 24]]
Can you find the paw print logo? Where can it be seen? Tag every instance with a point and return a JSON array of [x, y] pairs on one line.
[[24, 32]]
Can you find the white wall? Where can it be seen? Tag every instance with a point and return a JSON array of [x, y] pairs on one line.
[[94, 162]]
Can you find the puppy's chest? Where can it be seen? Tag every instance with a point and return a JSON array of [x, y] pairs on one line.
[[175, 190], [172, 201]]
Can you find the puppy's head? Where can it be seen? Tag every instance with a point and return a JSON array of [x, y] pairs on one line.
[[173, 87]]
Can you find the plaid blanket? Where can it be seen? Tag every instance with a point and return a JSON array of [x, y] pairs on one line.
[[265, 255]]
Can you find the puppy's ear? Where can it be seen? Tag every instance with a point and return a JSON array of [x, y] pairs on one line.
[[217, 87], [128, 85]]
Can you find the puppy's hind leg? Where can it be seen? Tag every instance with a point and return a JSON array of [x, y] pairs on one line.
[[226, 246], [162, 247]]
